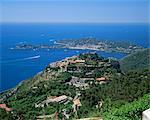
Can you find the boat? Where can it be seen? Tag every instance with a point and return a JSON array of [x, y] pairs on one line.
[[38, 56]]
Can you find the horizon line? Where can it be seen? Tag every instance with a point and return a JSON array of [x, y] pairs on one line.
[[78, 22]]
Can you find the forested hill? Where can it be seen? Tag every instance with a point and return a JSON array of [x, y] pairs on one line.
[[82, 86], [138, 60]]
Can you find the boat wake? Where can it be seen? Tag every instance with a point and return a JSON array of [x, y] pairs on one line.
[[30, 58], [23, 59]]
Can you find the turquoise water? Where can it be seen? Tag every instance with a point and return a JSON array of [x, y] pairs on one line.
[[18, 65]]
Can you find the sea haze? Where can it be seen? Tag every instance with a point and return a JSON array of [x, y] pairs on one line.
[[18, 65]]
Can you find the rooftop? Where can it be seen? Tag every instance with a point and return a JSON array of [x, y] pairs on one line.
[[77, 102], [57, 99], [101, 79], [3, 106]]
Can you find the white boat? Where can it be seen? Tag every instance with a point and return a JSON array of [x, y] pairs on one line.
[[51, 40], [38, 56]]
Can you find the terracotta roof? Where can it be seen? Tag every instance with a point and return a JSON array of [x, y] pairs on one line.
[[3, 106], [77, 102], [101, 78], [8, 109]]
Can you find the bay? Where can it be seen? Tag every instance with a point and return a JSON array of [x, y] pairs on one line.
[[18, 65]]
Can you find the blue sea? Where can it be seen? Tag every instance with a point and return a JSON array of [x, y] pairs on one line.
[[18, 65]]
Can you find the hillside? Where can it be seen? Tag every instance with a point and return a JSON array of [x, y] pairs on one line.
[[82, 86], [138, 60], [99, 44], [129, 111]]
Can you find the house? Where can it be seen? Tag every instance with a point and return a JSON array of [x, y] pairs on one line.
[[51, 99], [80, 61], [56, 99], [77, 102], [46, 116], [101, 80], [3, 106], [76, 105], [78, 82], [87, 79], [72, 62], [8, 109]]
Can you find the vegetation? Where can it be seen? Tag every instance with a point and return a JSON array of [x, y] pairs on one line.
[[23, 102], [129, 111], [116, 93], [123, 97], [6, 115], [138, 60]]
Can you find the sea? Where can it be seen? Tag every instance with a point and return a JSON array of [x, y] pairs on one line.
[[18, 65]]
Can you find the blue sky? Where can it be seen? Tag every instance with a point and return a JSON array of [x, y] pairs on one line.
[[75, 11]]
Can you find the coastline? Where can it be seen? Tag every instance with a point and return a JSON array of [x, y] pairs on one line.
[[91, 47]]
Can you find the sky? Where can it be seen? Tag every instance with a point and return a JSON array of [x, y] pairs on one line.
[[75, 11]]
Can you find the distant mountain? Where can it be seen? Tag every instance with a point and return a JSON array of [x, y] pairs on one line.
[[137, 60]]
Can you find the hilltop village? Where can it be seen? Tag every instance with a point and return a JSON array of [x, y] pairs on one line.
[[80, 72], [85, 68]]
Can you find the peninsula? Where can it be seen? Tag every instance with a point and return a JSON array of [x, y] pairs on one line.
[[87, 43]]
